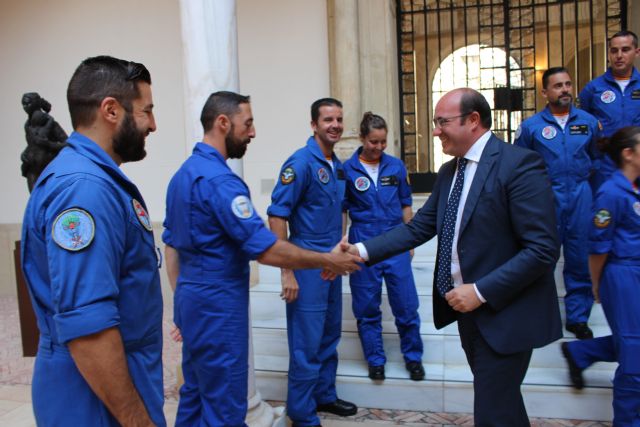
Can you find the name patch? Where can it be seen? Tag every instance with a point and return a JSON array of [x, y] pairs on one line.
[[389, 180], [578, 130], [635, 94]]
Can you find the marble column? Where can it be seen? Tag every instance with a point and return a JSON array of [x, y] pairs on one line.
[[210, 58], [363, 66]]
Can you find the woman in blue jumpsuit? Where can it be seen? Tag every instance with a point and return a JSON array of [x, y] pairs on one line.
[[614, 262], [376, 204]]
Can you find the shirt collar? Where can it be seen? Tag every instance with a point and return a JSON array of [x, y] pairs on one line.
[[475, 152]]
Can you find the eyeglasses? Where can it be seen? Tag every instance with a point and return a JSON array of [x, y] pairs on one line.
[[440, 122]]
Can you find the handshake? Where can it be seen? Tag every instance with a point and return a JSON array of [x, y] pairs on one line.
[[343, 259]]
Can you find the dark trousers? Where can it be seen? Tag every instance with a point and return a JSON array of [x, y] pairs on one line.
[[496, 379]]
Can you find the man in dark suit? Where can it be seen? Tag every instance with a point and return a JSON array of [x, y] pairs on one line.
[[492, 209]]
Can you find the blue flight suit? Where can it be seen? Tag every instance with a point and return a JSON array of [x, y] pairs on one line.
[[374, 209], [603, 98], [211, 223], [615, 231], [91, 264], [568, 155], [309, 196]]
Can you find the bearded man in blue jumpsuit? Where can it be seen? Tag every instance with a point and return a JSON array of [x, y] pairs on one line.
[[614, 97], [90, 262], [212, 232], [308, 196], [565, 138]]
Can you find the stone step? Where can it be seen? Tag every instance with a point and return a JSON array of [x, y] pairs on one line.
[[269, 311], [439, 351], [397, 392]]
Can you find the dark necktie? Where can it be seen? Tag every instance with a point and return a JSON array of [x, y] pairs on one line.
[[444, 281]]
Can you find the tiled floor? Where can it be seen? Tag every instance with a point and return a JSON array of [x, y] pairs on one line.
[[16, 371]]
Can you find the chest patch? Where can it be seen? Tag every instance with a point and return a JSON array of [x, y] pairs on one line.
[[602, 218], [362, 183], [635, 94], [323, 175], [607, 97], [142, 214], [241, 207], [549, 132], [287, 176], [578, 130], [73, 229], [386, 181], [636, 208]]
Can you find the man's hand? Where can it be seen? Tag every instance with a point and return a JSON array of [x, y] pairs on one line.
[[289, 286], [463, 298], [175, 334], [343, 259]]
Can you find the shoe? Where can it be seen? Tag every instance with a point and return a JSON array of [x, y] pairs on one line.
[[575, 373], [340, 407], [376, 372], [416, 370], [581, 330]]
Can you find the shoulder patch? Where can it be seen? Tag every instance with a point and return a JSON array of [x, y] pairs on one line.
[[287, 176], [602, 218], [142, 215], [241, 207], [636, 208], [73, 229]]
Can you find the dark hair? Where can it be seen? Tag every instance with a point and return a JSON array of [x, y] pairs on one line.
[[550, 72], [472, 100], [98, 78], [322, 102], [371, 121], [626, 137], [625, 33], [222, 102]]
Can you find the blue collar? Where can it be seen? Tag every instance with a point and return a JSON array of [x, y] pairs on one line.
[[208, 151], [86, 147], [608, 75], [548, 115], [314, 147]]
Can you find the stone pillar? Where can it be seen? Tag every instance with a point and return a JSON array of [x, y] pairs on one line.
[[344, 69], [210, 58], [363, 66]]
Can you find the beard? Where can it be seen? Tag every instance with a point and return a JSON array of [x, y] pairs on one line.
[[128, 142], [235, 146], [564, 101]]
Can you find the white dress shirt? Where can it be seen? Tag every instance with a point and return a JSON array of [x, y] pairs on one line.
[[473, 158]]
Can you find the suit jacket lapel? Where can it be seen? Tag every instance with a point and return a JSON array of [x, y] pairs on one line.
[[487, 160]]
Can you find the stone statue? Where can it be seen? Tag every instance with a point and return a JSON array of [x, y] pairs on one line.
[[45, 137]]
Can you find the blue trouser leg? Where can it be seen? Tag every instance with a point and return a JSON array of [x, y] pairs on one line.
[[325, 390], [574, 223], [620, 294], [313, 339], [586, 352], [366, 296], [215, 338], [403, 299], [189, 407]]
